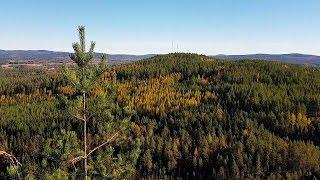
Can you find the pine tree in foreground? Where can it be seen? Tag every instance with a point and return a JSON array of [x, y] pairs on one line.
[[106, 124]]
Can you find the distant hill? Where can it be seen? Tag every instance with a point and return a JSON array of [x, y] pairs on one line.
[[52, 56], [56, 56], [288, 58]]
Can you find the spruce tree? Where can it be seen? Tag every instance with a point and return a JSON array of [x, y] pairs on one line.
[[221, 173], [235, 173], [258, 165]]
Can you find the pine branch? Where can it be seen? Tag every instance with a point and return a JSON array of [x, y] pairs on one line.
[[115, 135], [82, 38], [79, 158]]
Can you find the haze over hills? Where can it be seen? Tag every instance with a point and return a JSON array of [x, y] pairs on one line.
[[287, 58], [53, 56]]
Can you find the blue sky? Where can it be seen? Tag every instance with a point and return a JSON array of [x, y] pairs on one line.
[[152, 26]]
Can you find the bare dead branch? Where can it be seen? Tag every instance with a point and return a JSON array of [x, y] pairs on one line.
[[91, 115], [13, 159], [76, 159], [78, 118], [79, 158], [115, 135]]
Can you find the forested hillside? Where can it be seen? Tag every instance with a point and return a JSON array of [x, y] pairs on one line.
[[195, 118]]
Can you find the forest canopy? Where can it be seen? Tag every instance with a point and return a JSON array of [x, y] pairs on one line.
[[195, 117]]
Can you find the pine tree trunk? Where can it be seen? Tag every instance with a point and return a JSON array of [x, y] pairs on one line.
[[85, 134]]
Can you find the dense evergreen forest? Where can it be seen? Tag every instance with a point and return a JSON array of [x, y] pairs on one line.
[[193, 117]]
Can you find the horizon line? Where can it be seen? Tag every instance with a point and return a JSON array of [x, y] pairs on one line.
[[218, 54]]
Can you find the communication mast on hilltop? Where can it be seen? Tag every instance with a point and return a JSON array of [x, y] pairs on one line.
[[174, 48]]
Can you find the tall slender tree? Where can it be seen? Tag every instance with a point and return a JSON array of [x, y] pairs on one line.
[[96, 110]]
